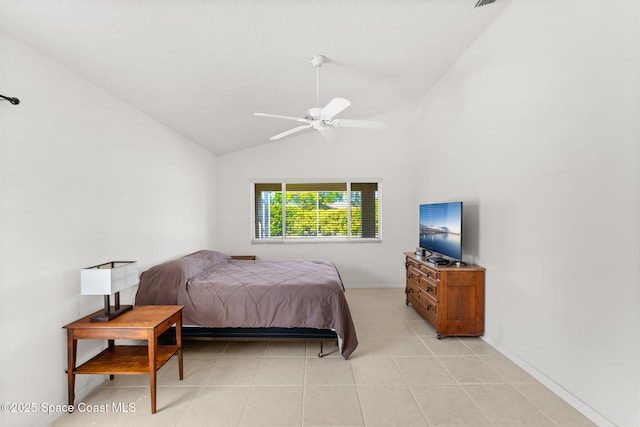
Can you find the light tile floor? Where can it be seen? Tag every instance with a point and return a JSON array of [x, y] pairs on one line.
[[400, 375]]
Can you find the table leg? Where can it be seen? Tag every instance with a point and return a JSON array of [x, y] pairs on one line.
[[152, 342], [111, 345], [179, 344], [72, 347]]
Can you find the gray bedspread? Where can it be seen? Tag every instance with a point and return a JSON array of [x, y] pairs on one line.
[[217, 291]]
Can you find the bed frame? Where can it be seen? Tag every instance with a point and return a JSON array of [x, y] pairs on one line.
[[254, 334]]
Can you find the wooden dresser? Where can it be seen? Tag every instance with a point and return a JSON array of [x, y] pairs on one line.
[[451, 298]]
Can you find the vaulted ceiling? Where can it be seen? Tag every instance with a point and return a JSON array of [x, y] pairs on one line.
[[203, 68]]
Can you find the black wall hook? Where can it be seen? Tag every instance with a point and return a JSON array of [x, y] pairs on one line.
[[14, 101]]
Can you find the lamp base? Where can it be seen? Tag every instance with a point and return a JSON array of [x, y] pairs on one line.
[[112, 314]]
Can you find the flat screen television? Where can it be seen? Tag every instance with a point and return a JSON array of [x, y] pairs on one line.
[[441, 231]]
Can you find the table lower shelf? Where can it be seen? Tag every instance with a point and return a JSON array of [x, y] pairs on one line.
[[126, 360]]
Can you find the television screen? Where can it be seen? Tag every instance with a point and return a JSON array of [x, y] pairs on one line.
[[441, 229]]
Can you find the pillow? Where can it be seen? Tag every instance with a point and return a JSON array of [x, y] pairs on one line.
[[201, 261], [162, 283]]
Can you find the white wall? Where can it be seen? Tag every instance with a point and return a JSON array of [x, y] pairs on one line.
[[357, 153], [84, 179], [536, 129]]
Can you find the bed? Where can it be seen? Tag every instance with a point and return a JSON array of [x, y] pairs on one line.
[[240, 298]]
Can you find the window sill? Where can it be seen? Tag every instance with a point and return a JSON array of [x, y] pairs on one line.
[[295, 241]]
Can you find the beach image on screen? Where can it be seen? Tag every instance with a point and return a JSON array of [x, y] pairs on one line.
[[441, 228]]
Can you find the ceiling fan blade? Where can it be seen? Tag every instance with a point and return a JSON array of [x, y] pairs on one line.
[[289, 132], [328, 133], [277, 116], [333, 108], [362, 124]]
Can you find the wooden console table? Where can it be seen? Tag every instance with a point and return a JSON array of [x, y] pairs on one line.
[[144, 322]]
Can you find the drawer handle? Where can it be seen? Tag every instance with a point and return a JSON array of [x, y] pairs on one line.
[[430, 289], [428, 307]]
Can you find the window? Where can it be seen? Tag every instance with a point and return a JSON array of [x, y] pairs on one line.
[[316, 211]]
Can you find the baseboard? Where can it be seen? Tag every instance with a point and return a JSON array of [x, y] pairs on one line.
[[556, 388], [81, 392], [94, 382], [373, 285]]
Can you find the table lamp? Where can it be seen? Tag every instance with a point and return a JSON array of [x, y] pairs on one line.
[[105, 279]]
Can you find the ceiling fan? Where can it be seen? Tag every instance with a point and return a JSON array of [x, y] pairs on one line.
[[323, 118]]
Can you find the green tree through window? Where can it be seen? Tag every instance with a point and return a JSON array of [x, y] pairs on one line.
[[322, 210]]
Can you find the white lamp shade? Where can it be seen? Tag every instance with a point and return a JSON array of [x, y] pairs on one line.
[[107, 278]]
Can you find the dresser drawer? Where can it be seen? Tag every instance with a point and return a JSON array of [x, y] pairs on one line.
[[429, 280], [429, 272], [412, 264], [429, 305], [425, 283], [429, 286], [413, 290], [413, 275], [424, 278]]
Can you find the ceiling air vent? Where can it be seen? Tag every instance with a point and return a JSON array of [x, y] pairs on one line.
[[484, 2]]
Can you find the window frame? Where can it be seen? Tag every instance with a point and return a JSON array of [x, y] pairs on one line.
[[329, 239]]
